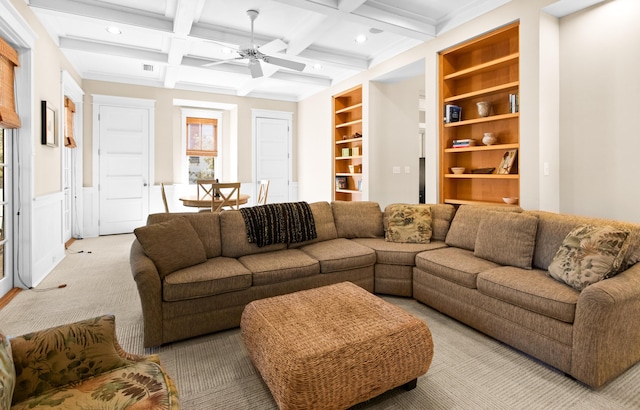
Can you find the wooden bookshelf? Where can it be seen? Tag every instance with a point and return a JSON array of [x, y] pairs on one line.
[[347, 145], [485, 68]]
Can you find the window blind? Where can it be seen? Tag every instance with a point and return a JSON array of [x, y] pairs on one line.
[[8, 61]]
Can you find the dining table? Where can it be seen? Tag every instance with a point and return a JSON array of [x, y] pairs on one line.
[[195, 202]]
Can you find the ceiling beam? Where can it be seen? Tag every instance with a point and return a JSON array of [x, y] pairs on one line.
[[122, 15], [379, 19]]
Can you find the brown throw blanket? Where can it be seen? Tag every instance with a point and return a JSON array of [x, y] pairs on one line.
[[288, 222]]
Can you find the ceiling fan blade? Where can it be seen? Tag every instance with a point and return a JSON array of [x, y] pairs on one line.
[[221, 62], [255, 68], [273, 46], [294, 65]]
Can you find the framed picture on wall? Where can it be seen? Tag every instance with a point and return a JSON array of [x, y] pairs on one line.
[[49, 125]]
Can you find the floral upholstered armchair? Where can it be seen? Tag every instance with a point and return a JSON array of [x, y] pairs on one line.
[[80, 366]]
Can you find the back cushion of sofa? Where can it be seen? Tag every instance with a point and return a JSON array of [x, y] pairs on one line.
[[553, 228], [464, 227], [358, 219], [325, 226], [206, 225], [441, 216], [235, 242]]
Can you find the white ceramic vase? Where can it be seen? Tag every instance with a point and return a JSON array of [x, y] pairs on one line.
[[484, 108], [489, 138]]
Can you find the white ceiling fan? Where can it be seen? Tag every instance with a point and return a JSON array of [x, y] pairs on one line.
[[255, 54]]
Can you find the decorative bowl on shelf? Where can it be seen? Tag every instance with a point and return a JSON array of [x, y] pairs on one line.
[[458, 170], [511, 200]]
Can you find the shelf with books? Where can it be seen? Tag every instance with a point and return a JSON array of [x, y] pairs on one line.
[[482, 70], [348, 140], [483, 148]]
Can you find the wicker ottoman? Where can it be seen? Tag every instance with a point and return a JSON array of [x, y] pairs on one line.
[[334, 346]]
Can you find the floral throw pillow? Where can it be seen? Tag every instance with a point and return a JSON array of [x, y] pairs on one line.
[[409, 224], [588, 255]]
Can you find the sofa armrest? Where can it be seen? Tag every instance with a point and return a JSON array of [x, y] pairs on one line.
[[606, 330], [149, 286], [48, 359]]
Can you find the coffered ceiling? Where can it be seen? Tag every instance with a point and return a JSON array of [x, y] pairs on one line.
[[172, 43]]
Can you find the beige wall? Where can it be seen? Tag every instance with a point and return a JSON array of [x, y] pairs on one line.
[[599, 99], [394, 140], [168, 131], [49, 62]]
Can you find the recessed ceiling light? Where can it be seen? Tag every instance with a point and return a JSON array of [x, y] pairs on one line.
[[114, 30], [374, 30], [317, 66], [361, 38]]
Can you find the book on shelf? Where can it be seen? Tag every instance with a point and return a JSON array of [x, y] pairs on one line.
[[341, 182], [464, 143], [452, 113], [514, 103]]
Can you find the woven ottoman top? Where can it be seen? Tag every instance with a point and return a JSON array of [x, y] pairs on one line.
[[334, 346]]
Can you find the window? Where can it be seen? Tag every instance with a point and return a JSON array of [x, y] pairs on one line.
[[202, 147], [3, 204]]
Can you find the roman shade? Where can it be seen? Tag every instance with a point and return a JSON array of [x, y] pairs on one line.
[[69, 110], [8, 60]]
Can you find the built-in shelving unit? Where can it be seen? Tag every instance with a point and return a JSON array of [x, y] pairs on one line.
[[485, 68], [347, 143]]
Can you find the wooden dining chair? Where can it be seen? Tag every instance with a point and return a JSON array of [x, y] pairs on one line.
[[205, 188], [225, 195], [263, 192], [164, 198]]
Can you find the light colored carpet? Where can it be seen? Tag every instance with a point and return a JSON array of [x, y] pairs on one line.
[[469, 370]]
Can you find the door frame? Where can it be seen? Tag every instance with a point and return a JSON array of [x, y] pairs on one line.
[[110, 100], [280, 115], [72, 89]]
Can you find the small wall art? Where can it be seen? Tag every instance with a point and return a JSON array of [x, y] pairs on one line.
[[49, 125]]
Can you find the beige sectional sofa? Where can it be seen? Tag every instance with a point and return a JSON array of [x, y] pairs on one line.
[[482, 266]]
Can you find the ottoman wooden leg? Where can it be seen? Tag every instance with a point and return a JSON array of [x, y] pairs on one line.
[[411, 385]]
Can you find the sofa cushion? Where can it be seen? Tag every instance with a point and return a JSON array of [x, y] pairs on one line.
[[325, 226], [391, 253], [507, 238], [206, 225], [215, 276], [279, 266], [553, 229], [464, 227], [409, 224], [235, 242], [142, 385], [456, 265], [7, 372], [340, 254], [171, 245], [358, 219], [530, 289], [441, 216], [588, 255]]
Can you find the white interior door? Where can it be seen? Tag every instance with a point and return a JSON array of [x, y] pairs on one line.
[[67, 192], [124, 168], [273, 156]]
